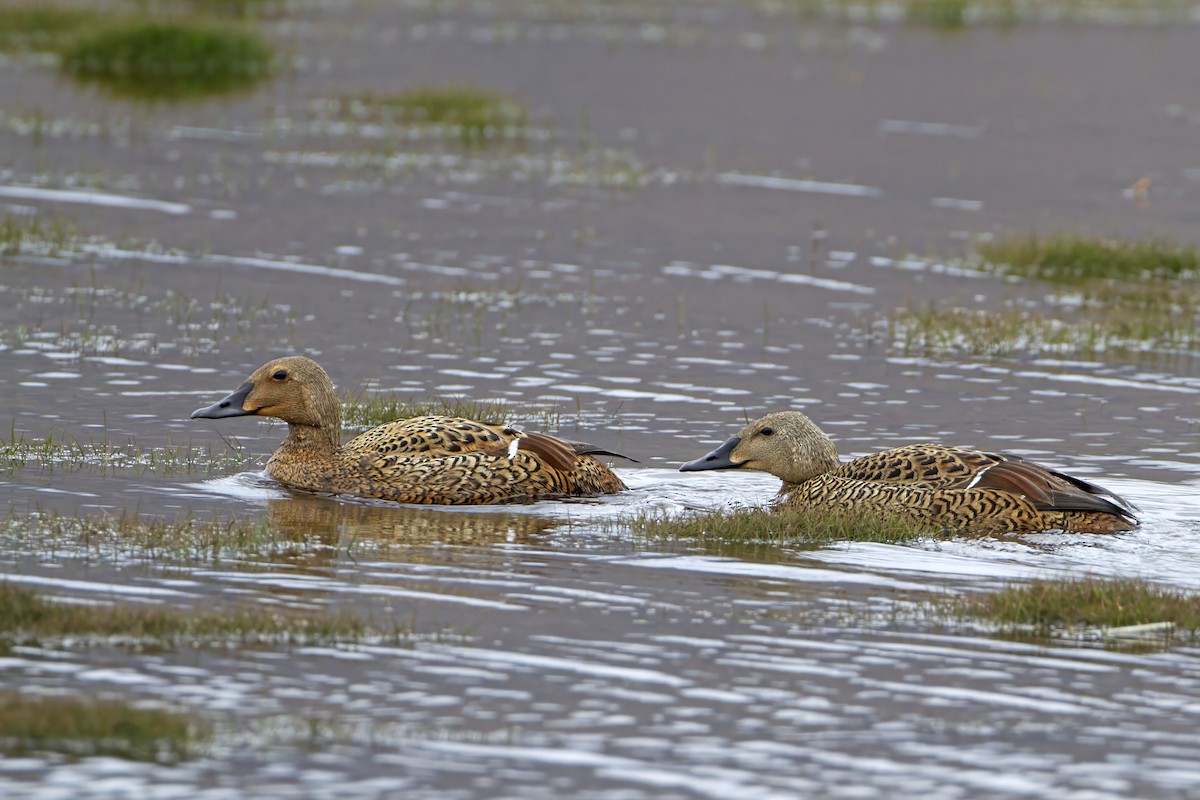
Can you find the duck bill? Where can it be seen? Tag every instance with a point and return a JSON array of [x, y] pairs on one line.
[[721, 458], [231, 406]]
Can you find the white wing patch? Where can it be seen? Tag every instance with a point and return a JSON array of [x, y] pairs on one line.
[[512, 448], [977, 478]]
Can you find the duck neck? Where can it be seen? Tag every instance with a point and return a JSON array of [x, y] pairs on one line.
[[322, 438], [319, 430], [813, 456]]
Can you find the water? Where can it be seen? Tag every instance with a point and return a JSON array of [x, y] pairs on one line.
[[689, 265]]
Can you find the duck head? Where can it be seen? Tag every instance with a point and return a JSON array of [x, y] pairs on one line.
[[786, 444], [294, 389]]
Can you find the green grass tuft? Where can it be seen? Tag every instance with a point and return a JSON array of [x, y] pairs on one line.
[[1134, 326], [42, 27], [1073, 259], [32, 234], [941, 14], [27, 617], [68, 453], [1113, 298], [779, 526], [953, 14], [475, 116], [80, 727], [241, 9], [1046, 607], [170, 60], [131, 536]]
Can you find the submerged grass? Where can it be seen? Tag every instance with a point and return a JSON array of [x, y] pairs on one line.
[[955, 14], [1048, 607], [941, 14], [131, 535], [32, 234], [68, 452], [779, 526], [1078, 260], [83, 727], [1139, 328], [472, 114], [169, 60], [27, 617], [243, 9], [42, 27], [1110, 297]]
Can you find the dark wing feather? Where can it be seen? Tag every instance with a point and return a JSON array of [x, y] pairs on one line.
[[1092, 488], [1049, 490], [585, 449], [556, 453]]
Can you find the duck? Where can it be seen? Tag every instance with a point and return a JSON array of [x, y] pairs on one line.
[[424, 460], [953, 489]]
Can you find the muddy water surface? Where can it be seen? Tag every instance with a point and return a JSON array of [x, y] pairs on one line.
[[718, 209]]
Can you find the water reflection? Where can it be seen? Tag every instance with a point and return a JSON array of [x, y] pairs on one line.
[[336, 520]]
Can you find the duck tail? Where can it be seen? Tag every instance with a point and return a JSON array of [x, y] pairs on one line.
[[585, 449]]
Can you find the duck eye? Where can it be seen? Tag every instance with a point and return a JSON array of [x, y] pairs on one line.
[[767, 432], [280, 375]]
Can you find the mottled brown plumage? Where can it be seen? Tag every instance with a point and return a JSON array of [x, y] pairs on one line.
[[428, 460], [950, 488]]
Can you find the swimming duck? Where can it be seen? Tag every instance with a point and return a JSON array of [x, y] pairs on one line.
[[428, 460], [950, 488]]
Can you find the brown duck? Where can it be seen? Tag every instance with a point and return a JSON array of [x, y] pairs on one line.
[[442, 460], [950, 488]]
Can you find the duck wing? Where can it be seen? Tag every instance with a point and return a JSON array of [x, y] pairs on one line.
[[936, 466], [442, 437], [1047, 489], [433, 437], [927, 466]]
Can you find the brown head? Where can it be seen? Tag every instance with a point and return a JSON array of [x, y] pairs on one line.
[[786, 444], [294, 389]]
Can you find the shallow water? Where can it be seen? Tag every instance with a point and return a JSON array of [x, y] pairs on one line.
[[654, 267], [597, 666]]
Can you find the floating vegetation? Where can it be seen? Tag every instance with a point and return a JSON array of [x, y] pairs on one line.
[[68, 452], [954, 14], [242, 9], [186, 324], [1014, 331], [784, 525], [1090, 607], [1079, 260], [942, 14], [129, 535], [42, 27], [24, 234], [599, 167], [472, 115], [1116, 297], [82, 727], [27, 617], [295, 529], [170, 60]]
